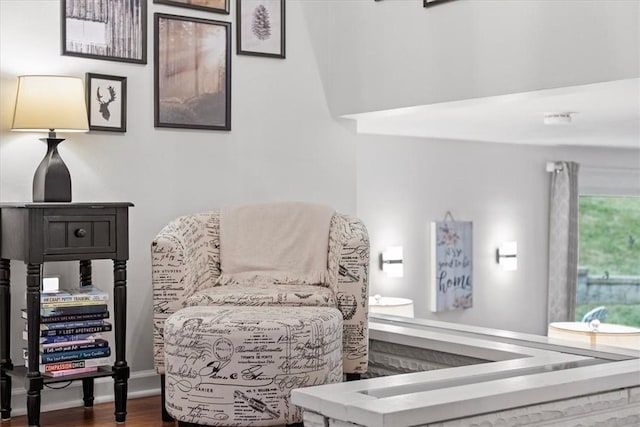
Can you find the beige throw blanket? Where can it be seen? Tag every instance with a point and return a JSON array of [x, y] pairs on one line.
[[274, 243]]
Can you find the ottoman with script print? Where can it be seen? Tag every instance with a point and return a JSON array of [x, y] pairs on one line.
[[237, 365]]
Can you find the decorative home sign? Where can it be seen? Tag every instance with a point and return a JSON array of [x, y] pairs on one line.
[[261, 28], [217, 6], [115, 30], [451, 265], [192, 73], [107, 102]]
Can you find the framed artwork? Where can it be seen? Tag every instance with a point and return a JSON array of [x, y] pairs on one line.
[[107, 102], [216, 6], [260, 28], [114, 30], [427, 3], [192, 73], [451, 265]]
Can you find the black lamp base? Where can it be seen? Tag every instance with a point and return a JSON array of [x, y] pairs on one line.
[[52, 181]]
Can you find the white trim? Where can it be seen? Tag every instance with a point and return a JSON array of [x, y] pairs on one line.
[[543, 371], [140, 384], [607, 181]]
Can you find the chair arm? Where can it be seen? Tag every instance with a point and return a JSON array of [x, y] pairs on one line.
[[185, 258], [353, 295]]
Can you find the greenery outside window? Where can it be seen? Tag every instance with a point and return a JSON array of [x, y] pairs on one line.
[[609, 258]]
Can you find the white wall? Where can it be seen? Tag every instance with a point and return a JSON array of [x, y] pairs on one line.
[[392, 53], [284, 145], [405, 183]]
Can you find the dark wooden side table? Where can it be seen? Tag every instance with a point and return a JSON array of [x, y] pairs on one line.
[[36, 233]]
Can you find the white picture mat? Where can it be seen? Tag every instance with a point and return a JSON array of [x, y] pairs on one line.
[[115, 107], [250, 42]]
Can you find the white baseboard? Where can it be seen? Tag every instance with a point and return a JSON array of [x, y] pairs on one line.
[[140, 384]]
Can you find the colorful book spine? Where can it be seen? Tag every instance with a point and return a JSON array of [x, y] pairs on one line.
[[74, 371], [106, 327], [74, 295], [70, 317], [71, 303], [73, 346], [73, 309], [69, 325], [64, 338], [73, 364], [75, 355], [71, 355]]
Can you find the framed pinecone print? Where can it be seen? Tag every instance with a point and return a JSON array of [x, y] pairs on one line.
[[261, 28]]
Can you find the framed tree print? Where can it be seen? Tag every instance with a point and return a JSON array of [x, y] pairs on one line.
[[107, 102], [114, 30], [192, 73], [261, 28], [216, 6]]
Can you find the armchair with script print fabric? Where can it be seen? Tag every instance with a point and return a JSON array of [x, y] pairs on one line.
[[186, 271]]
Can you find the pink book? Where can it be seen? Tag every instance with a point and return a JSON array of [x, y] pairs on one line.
[[73, 371]]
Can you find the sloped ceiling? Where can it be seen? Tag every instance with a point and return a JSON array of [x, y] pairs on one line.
[[603, 114]]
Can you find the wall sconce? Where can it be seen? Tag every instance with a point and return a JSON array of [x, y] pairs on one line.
[[391, 261], [507, 256]]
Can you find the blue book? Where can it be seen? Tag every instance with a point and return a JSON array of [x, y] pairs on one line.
[[73, 346], [106, 327], [69, 325], [64, 338], [69, 317], [67, 356], [73, 309]]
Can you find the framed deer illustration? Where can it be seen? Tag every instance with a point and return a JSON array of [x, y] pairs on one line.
[[107, 102]]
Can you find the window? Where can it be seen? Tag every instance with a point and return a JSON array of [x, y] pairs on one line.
[[609, 258]]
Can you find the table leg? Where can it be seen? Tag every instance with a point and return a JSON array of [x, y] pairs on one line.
[[87, 392], [85, 273], [34, 381], [87, 383], [5, 339], [120, 368]]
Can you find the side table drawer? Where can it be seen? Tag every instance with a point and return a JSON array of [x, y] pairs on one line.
[[79, 234]]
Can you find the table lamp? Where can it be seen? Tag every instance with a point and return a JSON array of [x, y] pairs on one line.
[[596, 333], [51, 103]]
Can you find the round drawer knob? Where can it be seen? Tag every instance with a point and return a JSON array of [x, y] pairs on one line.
[[80, 232]]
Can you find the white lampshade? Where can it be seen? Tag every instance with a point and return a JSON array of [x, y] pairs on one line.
[[390, 305], [50, 102], [605, 334]]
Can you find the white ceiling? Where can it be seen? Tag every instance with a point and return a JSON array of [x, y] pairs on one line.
[[605, 114]]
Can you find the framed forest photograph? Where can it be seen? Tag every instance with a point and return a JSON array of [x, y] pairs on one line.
[[107, 102], [114, 30], [192, 87], [261, 28], [216, 6]]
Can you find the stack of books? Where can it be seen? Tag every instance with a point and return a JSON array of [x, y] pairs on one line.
[[71, 327]]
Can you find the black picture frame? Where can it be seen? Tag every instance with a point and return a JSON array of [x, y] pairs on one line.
[[103, 91], [87, 32], [199, 5], [254, 33], [192, 73], [429, 3]]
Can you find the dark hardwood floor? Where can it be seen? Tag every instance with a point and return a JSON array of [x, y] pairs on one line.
[[140, 412]]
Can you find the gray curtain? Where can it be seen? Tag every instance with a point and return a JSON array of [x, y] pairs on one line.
[[563, 243]]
